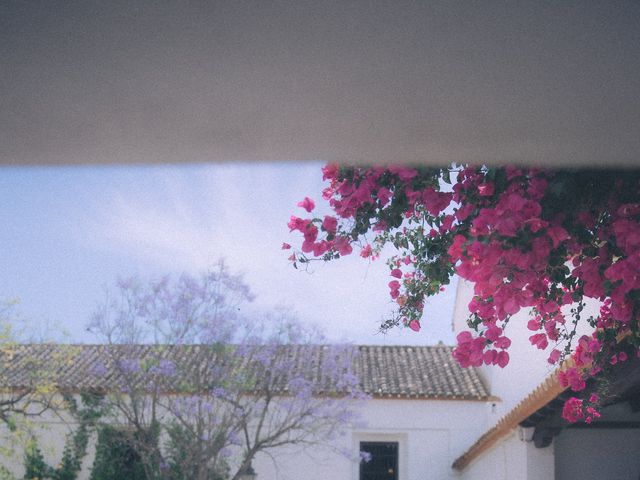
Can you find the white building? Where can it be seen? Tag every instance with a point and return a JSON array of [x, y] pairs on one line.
[[430, 419], [423, 411]]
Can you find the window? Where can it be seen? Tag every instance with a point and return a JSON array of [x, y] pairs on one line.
[[383, 462]]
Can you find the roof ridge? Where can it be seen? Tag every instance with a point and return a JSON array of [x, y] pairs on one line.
[[390, 371]]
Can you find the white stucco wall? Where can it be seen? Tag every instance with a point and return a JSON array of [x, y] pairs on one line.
[[513, 458], [431, 435], [51, 431]]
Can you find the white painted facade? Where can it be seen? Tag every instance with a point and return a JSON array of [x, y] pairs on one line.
[[431, 434], [51, 430], [515, 457]]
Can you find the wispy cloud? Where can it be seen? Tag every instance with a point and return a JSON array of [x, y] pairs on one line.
[[185, 221]]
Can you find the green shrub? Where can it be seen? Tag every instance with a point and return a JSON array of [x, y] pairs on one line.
[[116, 457]]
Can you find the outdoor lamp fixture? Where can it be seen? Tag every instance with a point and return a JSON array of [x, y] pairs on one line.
[[248, 473]]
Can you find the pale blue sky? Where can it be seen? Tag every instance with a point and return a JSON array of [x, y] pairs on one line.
[[69, 232]]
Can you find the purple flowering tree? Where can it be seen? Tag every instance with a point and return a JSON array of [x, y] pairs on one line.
[[201, 390]]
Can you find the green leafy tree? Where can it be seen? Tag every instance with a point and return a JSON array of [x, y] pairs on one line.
[[116, 456]]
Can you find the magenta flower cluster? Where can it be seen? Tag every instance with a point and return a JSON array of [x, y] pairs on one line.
[[531, 239]]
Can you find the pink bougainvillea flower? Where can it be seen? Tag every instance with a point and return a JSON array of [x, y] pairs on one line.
[[366, 251], [286, 246], [629, 209], [554, 356], [404, 173], [310, 233], [572, 378], [435, 202], [491, 229], [490, 357], [502, 342], [539, 340], [330, 224], [557, 234], [297, 223], [396, 272], [592, 414], [307, 246], [307, 204], [320, 248], [503, 359], [414, 325], [343, 246], [533, 324], [486, 189], [394, 287], [384, 195], [330, 171], [572, 410], [464, 337]]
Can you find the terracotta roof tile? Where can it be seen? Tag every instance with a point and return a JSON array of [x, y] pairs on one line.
[[384, 371]]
